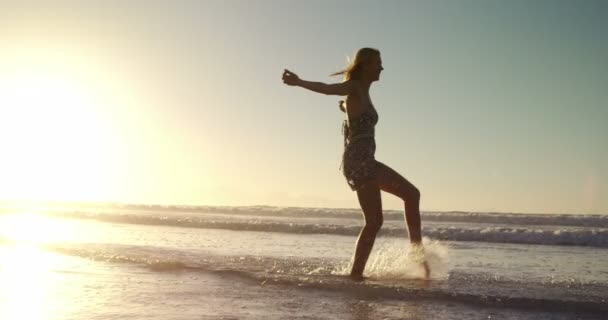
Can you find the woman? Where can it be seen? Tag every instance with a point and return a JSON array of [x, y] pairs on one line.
[[363, 173]]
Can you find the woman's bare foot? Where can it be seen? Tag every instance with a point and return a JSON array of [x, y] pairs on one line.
[[427, 270], [357, 277]]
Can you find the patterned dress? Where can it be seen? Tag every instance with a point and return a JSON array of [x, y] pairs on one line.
[[358, 161]]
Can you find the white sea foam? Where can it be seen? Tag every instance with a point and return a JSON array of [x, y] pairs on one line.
[[546, 235]]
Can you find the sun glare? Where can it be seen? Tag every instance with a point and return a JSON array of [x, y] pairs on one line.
[[54, 139], [26, 283], [26, 269], [34, 229]]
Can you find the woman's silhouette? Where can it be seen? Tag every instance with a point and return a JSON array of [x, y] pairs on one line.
[[363, 173]]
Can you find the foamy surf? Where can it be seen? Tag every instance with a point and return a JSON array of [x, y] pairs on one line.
[[496, 218], [541, 233]]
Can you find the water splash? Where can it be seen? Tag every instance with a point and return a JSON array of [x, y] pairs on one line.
[[395, 259]]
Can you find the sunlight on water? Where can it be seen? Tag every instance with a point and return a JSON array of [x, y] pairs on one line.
[[27, 283], [31, 288]]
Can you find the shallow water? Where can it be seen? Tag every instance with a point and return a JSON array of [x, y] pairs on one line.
[[75, 268]]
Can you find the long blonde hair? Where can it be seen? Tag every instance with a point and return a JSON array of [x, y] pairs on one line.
[[353, 69]]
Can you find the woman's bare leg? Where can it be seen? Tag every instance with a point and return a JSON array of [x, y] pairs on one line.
[[392, 182], [371, 205]]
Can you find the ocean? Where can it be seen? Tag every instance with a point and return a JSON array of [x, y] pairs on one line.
[[119, 261]]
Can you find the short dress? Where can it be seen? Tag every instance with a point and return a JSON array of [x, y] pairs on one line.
[[358, 161]]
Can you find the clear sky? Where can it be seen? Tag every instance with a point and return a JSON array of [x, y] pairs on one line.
[[484, 105]]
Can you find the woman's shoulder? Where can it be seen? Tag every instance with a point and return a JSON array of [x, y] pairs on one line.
[[356, 92], [355, 85]]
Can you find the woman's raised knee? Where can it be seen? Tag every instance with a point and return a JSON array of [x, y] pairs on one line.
[[412, 195], [416, 194]]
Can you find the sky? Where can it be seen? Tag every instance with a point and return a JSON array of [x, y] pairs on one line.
[[484, 105]]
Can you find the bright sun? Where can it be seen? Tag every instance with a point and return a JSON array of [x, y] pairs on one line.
[[54, 139]]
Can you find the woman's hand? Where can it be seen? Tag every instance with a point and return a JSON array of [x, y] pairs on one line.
[[339, 89], [290, 78]]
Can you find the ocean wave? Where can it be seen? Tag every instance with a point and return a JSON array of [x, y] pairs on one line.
[[581, 220], [591, 237], [317, 274], [502, 218]]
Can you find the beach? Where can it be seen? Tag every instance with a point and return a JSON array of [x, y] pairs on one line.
[[163, 262]]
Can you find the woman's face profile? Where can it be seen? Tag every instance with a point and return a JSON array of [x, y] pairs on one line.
[[374, 67]]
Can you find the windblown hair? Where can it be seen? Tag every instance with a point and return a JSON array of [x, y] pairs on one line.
[[353, 69]]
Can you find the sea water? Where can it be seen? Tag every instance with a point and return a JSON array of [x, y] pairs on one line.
[[152, 262]]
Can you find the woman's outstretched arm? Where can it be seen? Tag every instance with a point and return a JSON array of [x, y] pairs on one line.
[[338, 89]]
